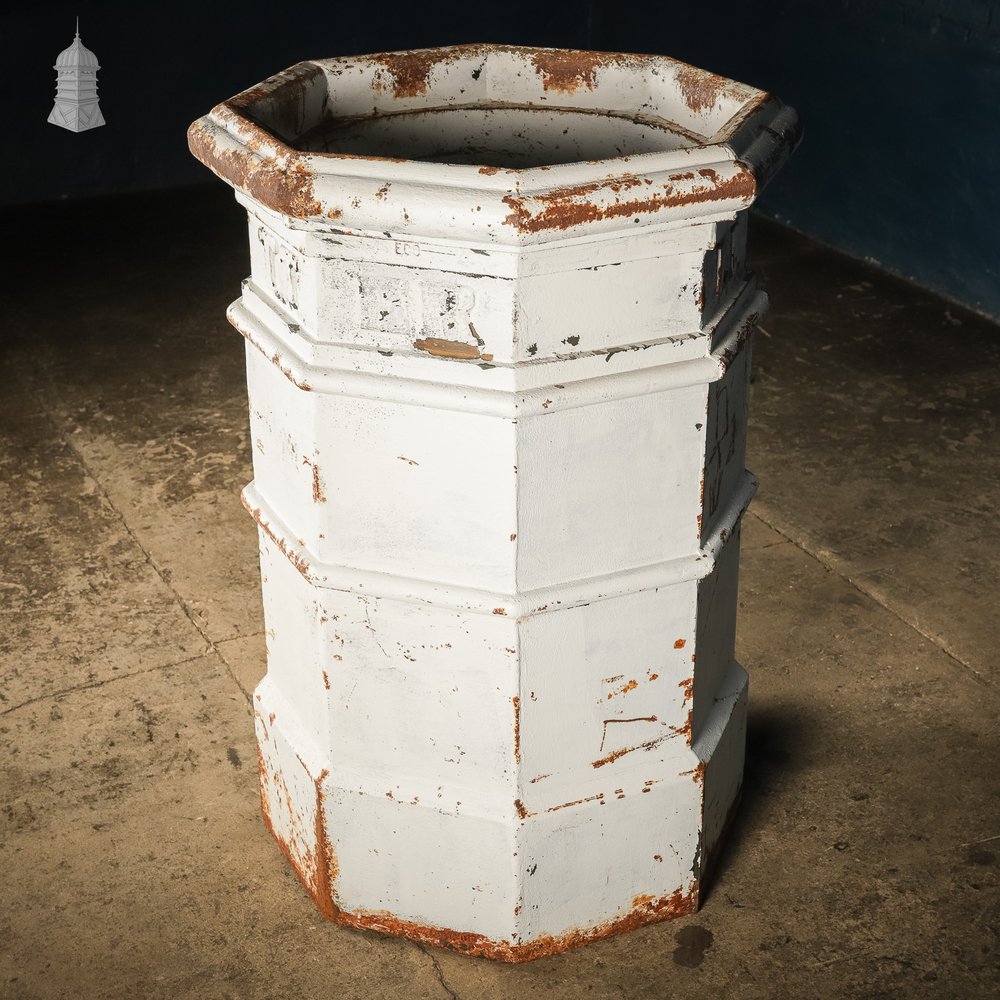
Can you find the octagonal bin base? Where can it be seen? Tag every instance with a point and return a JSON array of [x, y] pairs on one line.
[[403, 792]]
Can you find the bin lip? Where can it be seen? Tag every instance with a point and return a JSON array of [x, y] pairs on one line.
[[746, 136]]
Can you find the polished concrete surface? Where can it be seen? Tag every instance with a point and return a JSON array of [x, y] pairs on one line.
[[863, 862]]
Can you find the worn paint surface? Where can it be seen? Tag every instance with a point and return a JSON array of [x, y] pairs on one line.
[[375, 143], [498, 418]]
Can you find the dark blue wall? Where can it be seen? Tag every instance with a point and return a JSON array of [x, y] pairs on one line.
[[901, 104], [900, 99], [165, 64]]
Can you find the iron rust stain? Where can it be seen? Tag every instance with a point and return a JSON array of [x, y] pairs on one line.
[[621, 751], [697, 773], [318, 883], [646, 909], [325, 869], [680, 643], [409, 72], [575, 802], [567, 70], [296, 560], [624, 689], [265, 805], [517, 728], [686, 729], [317, 485], [317, 872], [449, 349], [285, 188], [564, 208], [700, 89]]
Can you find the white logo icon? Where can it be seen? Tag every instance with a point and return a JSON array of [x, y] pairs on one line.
[[76, 106]]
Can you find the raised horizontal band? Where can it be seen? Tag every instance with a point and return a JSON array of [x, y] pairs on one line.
[[504, 390], [356, 580]]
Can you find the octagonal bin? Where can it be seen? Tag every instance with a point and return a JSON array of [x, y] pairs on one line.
[[498, 336]]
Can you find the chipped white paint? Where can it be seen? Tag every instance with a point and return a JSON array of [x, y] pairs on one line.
[[499, 476]]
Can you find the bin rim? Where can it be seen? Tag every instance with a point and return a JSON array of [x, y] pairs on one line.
[[751, 135]]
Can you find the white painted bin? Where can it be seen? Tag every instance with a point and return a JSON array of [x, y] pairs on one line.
[[498, 343]]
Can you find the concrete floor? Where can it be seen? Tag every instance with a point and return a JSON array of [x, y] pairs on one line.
[[133, 860]]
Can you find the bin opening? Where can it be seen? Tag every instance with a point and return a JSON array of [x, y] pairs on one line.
[[501, 135]]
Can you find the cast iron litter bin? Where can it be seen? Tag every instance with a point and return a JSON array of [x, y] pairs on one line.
[[498, 341]]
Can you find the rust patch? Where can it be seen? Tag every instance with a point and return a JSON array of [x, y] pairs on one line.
[[564, 208], [521, 811], [448, 348], [324, 862], [618, 722], [326, 680], [686, 729], [687, 687], [575, 802], [567, 70], [517, 728], [680, 643], [285, 187], [701, 90], [318, 495], [383, 191], [645, 910], [296, 560], [409, 72], [697, 773], [319, 872], [489, 170], [265, 805], [616, 754], [499, 611], [624, 689]]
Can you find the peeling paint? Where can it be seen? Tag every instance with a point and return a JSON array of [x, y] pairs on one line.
[[517, 729], [564, 208], [450, 349], [285, 187]]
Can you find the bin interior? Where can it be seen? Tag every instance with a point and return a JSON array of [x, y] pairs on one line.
[[502, 136], [495, 106]]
